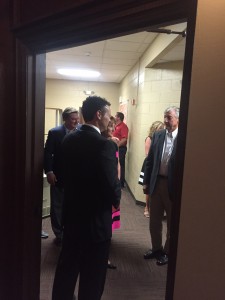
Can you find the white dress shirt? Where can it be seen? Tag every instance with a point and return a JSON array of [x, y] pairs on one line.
[[167, 150]]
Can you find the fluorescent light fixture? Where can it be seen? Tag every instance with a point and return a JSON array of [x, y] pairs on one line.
[[79, 73]]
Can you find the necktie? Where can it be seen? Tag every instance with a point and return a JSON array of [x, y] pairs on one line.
[[70, 131], [168, 148]]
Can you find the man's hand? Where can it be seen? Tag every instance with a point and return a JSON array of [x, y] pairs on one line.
[[115, 140], [146, 189], [122, 142], [51, 178]]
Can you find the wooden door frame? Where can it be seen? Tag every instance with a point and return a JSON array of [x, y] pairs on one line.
[[72, 28]]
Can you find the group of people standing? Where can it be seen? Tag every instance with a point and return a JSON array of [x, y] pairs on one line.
[[85, 167]]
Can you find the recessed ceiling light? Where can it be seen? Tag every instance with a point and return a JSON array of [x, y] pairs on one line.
[[79, 73]]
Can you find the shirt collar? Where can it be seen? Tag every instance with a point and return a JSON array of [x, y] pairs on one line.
[[93, 126], [69, 130], [174, 133], [119, 124]]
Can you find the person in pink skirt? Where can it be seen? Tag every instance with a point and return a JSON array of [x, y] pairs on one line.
[[115, 212]]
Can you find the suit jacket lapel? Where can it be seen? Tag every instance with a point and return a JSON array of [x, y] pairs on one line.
[[174, 147], [161, 143]]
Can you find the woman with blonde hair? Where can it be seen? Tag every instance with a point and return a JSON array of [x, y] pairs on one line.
[[157, 125]]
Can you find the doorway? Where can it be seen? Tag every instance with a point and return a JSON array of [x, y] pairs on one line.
[[48, 35], [169, 60]]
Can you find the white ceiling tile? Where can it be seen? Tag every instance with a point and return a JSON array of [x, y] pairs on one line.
[[113, 58], [150, 37], [122, 46], [121, 54], [115, 67], [114, 61], [138, 37], [142, 48]]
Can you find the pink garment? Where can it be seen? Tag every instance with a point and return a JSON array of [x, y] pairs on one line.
[[116, 219]]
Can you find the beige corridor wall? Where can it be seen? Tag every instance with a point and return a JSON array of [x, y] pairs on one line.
[[64, 93], [200, 269], [153, 90]]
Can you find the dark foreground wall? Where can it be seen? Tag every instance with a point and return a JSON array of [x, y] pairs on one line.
[[28, 29]]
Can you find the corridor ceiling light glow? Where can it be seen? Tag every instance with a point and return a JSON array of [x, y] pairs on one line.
[[79, 73]]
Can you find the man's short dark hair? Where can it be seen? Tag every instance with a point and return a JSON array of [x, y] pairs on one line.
[[91, 105], [120, 115], [67, 111]]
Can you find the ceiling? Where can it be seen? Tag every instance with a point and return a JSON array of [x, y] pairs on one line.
[[113, 58]]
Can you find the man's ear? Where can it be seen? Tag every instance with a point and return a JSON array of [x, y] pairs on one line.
[[99, 115]]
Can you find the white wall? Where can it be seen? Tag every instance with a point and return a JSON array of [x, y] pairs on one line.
[[153, 89], [64, 93]]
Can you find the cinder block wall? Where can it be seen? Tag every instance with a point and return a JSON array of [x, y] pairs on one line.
[[153, 89]]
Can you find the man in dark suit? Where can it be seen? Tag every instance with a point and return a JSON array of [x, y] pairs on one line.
[[91, 188], [53, 167], [158, 182]]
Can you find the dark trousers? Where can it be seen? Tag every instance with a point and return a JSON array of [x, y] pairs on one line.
[[122, 155], [86, 259], [56, 209], [160, 202]]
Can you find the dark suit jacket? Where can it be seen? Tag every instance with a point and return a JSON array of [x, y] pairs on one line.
[[53, 152], [91, 185], [154, 159]]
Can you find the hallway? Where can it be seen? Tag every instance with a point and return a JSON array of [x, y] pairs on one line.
[[134, 278]]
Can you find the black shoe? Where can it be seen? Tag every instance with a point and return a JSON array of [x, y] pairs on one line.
[[162, 260], [152, 254], [44, 235], [111, 266], [58, 241], [123, 184]]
